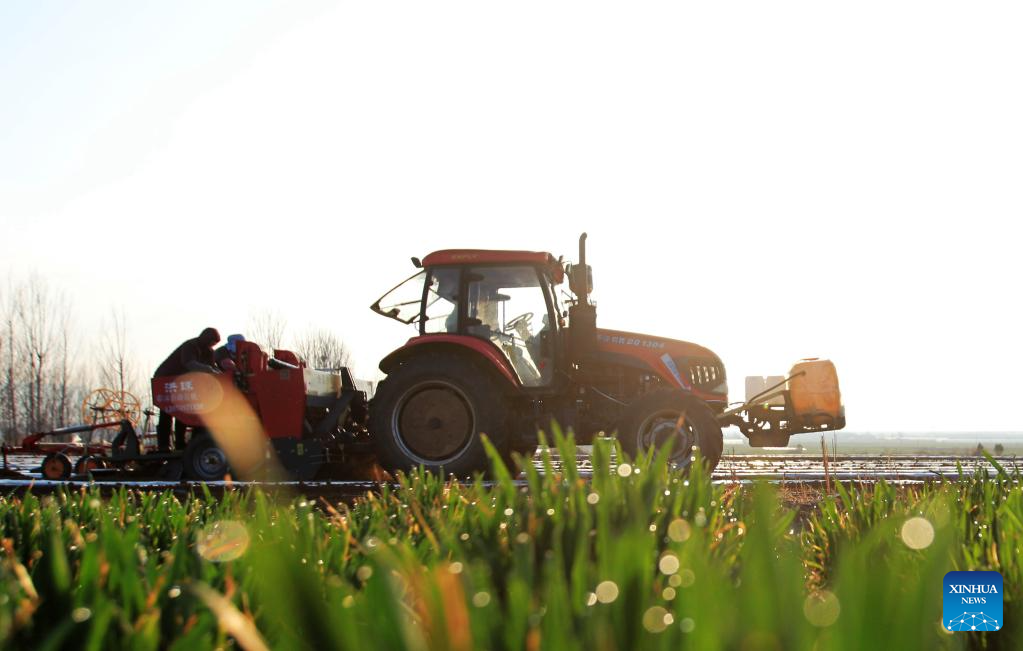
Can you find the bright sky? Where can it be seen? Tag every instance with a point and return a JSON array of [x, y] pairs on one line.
[[770, 179]]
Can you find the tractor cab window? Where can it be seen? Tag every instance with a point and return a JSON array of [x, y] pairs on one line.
[[440, 313], [403, 303], [507, 305]]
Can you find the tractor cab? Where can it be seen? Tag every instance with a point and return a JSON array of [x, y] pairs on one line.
[[505, 301]]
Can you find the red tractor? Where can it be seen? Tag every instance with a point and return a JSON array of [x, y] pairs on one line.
[[498, 353]]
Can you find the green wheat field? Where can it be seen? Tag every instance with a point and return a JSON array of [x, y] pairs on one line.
[[638, 557]]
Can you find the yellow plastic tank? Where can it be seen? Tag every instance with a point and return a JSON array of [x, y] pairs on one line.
[[813, 390]]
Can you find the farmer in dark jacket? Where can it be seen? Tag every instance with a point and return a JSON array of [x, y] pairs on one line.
[[194, 355]]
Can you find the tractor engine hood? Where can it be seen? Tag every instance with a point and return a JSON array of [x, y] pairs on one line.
[[682, 364]]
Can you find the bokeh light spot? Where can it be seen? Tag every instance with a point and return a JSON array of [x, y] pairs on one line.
[[917, 533], [223, 541], [657, 619], [668, 564], [607, 591], [679, 530], [822, 608]]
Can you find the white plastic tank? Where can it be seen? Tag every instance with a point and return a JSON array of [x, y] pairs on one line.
[[757, 384]]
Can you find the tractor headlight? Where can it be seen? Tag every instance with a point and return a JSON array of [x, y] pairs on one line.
[[721, 388]]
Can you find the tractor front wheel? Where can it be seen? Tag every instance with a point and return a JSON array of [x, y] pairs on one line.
[[667, 415], [432, 412]]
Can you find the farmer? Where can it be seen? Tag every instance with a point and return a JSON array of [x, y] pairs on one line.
[[225, 356], [194, 355]]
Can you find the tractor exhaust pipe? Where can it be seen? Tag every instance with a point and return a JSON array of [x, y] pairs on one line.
[[584, 296], [582, 316]]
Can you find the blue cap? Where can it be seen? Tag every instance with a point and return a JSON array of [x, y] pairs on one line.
[[232, 341]]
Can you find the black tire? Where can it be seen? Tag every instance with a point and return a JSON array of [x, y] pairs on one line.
[[85, 465], [204, 460], [431, 411], [56, 466], [170, 470], [652, 419]]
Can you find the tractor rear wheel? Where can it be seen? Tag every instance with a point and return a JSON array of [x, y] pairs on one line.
[[432, 412], [667, 415]]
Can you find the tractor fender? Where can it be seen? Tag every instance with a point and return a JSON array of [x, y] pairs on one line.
[[483, 352]]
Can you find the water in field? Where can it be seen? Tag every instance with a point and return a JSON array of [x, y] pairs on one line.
[[881, 443], [851, 455]]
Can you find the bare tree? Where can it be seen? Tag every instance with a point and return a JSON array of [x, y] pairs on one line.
[[323, 349], [41, 381], [12, 370], [8, 401], [266, 328], [36, 316], [15, 384], [65, 388], [118, 369]]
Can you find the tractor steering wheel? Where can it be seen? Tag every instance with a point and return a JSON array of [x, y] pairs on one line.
[[526, 318]]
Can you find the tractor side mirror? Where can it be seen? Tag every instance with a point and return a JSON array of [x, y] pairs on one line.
[[580, 279]]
